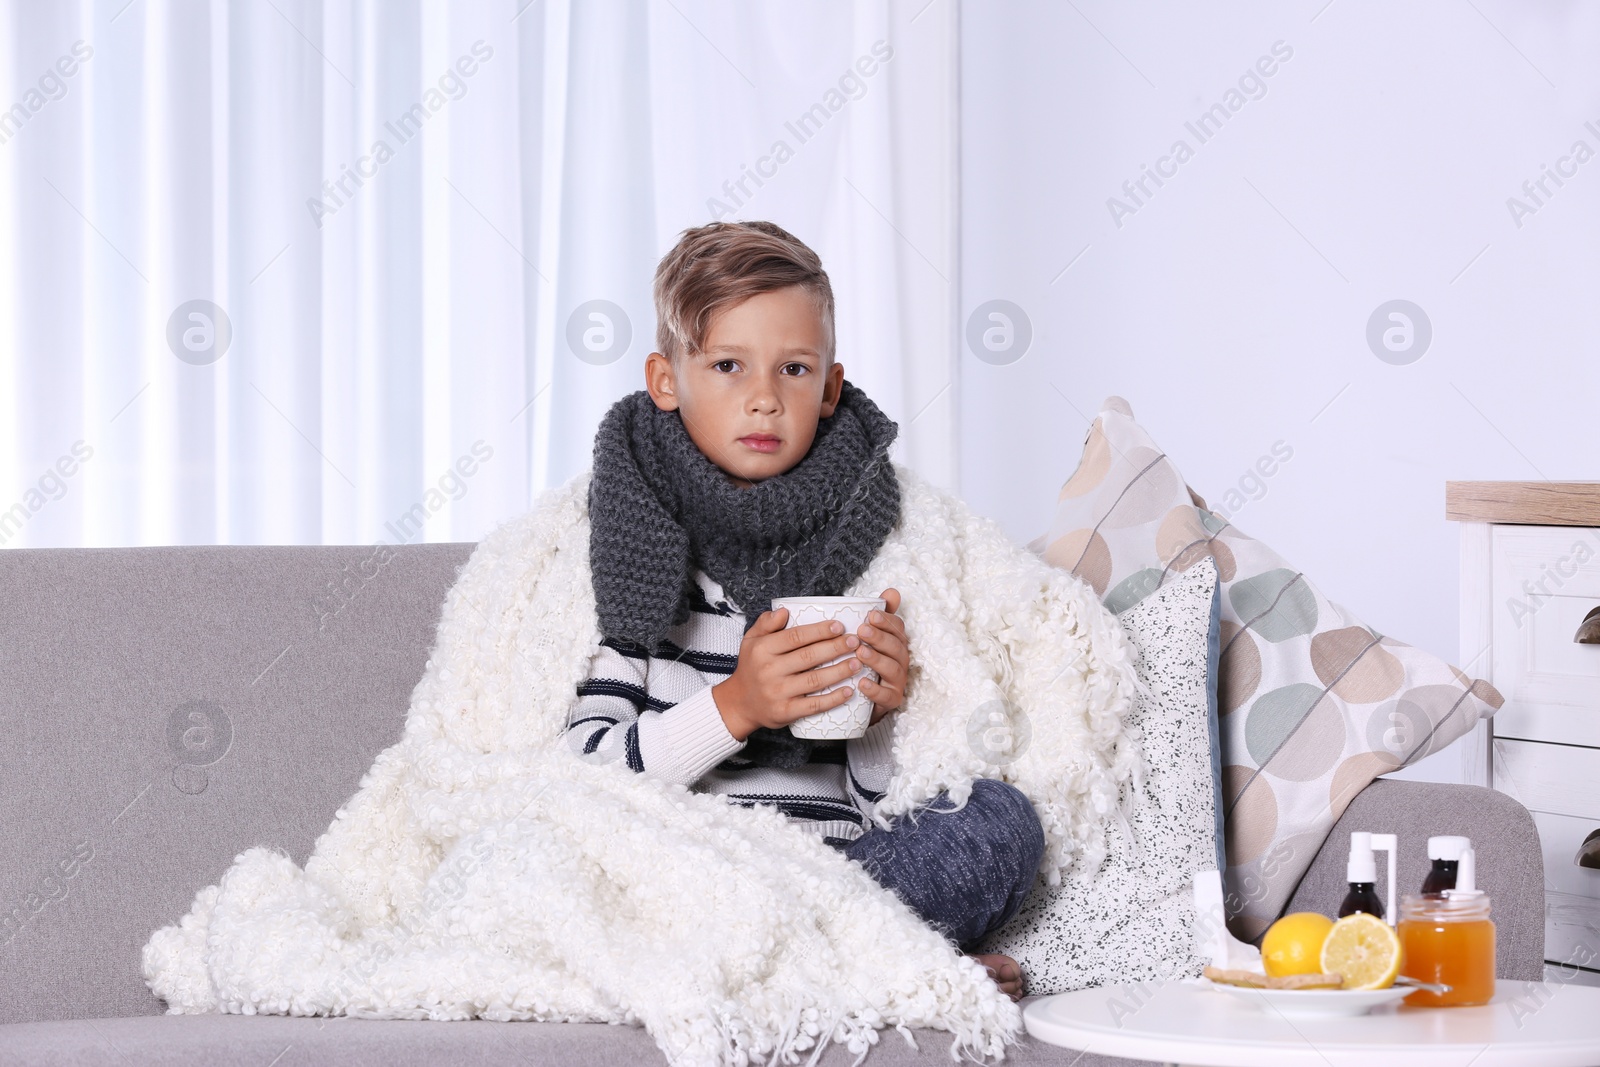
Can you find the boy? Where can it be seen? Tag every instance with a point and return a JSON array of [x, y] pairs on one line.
[[750, 469]]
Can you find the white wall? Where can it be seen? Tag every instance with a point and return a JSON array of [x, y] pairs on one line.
[[1230, 309]]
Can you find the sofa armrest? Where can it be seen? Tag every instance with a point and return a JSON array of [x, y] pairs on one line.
[[1510, 864]]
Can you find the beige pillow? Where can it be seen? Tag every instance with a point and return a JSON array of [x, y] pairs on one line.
[[1313, 703]]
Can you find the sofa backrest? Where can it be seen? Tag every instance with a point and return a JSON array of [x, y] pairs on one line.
[[165, 709]]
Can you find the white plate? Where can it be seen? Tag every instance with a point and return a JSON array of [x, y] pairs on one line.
[[1324, 1002]]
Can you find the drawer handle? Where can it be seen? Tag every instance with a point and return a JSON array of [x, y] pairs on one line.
[[1589, 628], [1589, 851]]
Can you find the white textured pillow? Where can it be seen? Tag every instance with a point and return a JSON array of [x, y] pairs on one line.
[[1133, 920]]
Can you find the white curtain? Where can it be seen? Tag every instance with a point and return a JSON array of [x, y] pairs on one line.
[[308, 271]]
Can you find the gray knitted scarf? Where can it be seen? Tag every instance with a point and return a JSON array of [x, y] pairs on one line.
[[658, 507]]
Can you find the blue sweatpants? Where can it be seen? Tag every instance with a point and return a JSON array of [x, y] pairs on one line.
[[964, 872]]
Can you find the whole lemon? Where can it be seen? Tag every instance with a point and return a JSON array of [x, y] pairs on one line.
[[1293, 944]]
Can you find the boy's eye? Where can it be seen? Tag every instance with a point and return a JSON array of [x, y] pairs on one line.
[[727, 366]]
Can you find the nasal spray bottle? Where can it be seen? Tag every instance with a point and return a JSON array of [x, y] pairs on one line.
[[1444, 853], [1362, 873]]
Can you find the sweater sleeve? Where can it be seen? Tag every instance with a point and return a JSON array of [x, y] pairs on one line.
[[615, 718], [870, 762]]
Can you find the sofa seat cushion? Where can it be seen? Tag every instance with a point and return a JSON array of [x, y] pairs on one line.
[[296, 1041]]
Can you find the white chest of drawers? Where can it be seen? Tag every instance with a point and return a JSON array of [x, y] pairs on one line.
[[1530, 577]]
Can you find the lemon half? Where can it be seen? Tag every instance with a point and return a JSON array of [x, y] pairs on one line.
[[1364, 950]]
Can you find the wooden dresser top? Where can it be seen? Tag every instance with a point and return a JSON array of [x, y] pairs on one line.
[[1524, 503]]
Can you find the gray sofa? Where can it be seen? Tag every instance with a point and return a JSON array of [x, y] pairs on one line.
[[167, 708]]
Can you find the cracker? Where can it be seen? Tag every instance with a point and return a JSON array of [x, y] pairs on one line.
[[1309, 981], [1257, 980]]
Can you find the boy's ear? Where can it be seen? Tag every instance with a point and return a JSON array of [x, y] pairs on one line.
[[831, 388], [661, 381]]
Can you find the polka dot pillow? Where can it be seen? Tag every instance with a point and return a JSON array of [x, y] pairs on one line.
[[1314, 704], [1133, 920]]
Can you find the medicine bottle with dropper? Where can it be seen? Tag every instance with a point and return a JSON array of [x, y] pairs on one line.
[[1445, 852]]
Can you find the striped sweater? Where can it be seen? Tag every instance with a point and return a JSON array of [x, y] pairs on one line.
[[656, 713]]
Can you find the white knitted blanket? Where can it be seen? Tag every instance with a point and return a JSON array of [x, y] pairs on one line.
[[481, 870]]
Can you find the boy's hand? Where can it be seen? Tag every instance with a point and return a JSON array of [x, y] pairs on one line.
[[778, 667], [885, 650]]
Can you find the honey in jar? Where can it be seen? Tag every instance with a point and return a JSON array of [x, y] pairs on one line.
[[1448, 938]]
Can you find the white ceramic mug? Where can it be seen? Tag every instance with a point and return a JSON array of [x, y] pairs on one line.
[[851, 718]]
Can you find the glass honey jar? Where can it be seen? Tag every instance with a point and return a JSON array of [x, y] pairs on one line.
[[1448, 938]]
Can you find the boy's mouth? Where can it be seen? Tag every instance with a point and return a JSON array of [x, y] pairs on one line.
[[760, 442]]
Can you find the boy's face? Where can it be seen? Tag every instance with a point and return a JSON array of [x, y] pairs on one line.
[[752, 398]]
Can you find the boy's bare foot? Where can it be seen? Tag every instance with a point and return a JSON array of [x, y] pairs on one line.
[[1005, 972]]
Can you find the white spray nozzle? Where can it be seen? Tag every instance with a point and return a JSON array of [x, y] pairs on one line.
[[1363, 868], [1466, 876]]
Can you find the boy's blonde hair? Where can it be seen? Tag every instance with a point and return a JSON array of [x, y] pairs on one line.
[[716, 266]]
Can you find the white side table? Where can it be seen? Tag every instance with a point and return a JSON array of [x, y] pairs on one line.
[[1526, 1025]]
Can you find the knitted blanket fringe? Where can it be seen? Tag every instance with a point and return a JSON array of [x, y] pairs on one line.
[[481, 870]]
